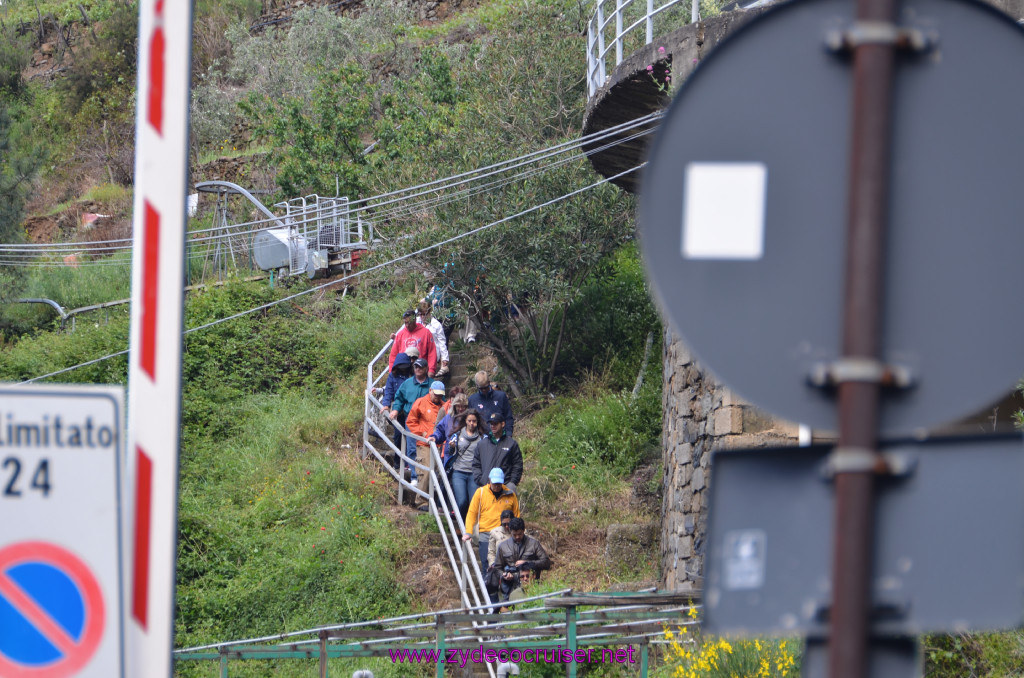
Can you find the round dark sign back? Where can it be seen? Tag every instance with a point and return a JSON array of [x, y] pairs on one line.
[[743, 211]]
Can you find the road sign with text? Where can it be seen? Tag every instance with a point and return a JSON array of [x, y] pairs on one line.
[[60, 531], [947, 555]]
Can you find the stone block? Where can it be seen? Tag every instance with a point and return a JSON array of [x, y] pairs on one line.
[[684, 547], [706, 404], [697, 480], [787, 429], [728, 420], [733, 442], [730, 399], [686, 397], [756, 421]]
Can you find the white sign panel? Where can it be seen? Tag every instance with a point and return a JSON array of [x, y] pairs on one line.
[[723, 212], [154, 368], [60, 537], [745, 553]]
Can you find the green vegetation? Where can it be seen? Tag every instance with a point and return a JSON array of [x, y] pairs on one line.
[[16, 11], [986, 655], [19, 160], [690, 654], [282, 526]]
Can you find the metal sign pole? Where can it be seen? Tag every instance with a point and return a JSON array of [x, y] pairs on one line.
[[856, 458]]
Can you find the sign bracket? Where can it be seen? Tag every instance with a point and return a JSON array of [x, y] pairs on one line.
[[860, 369], [880, 33]]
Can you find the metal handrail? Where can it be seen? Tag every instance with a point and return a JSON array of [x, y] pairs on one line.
[[637, 623], [598, 46], [438, 483], [359, 624], [466, 567]]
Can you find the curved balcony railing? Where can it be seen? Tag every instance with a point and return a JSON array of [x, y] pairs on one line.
[[624, 26]]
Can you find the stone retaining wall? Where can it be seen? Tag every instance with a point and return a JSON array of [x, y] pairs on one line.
[[699, 417]]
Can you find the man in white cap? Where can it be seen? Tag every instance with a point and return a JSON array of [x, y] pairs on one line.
[[485, 511]]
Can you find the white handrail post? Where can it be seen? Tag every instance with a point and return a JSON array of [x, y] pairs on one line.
[[650, 22], [695, 11], [618, 32], [465, 563], [591, 58], [600, 40], [367, 409], [401, 469], [431, 453]]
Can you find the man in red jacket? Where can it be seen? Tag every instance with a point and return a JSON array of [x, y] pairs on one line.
[[414, 334]]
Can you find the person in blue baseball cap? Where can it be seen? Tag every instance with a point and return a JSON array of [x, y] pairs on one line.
[[485, 509]]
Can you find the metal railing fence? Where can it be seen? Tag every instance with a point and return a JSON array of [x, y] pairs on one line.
[[620, 619], [624, 26], [465, 565]]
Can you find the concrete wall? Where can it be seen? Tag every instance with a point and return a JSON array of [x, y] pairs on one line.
[[1014, 8]]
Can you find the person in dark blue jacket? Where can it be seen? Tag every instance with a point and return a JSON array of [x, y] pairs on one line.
[[400, 371], [451, 422], [408, 393], [488, 400]]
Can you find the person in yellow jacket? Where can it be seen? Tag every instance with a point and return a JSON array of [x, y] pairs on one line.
[[485, 510]]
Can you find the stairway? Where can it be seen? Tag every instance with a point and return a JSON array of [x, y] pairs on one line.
[[448, 559]]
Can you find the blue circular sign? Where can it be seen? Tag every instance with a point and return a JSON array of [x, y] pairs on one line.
[[51, 612]]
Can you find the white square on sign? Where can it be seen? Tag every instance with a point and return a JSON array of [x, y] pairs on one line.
[[723, 210]]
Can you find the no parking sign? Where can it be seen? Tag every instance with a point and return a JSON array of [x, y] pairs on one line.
[[60, 533]]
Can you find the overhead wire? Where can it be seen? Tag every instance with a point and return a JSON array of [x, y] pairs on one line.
[[404, 209], [19, 251], [360, 272], [228, 241]]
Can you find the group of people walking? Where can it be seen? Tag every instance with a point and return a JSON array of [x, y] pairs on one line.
[[474, 436]]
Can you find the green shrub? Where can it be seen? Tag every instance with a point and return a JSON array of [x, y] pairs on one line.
[[608, 434], [611, 320], [110, 63], [14, 57]]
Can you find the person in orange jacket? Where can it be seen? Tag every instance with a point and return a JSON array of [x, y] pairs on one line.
[[421, 422]]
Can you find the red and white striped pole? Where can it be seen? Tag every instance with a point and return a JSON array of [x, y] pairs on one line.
[[154, 371]]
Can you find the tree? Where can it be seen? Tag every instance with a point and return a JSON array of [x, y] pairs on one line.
[[316, 142], [517, 92], [19, 161], [517, 280]]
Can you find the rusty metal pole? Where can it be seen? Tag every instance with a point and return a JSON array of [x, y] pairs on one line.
[[323, 654], [856, 457]]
